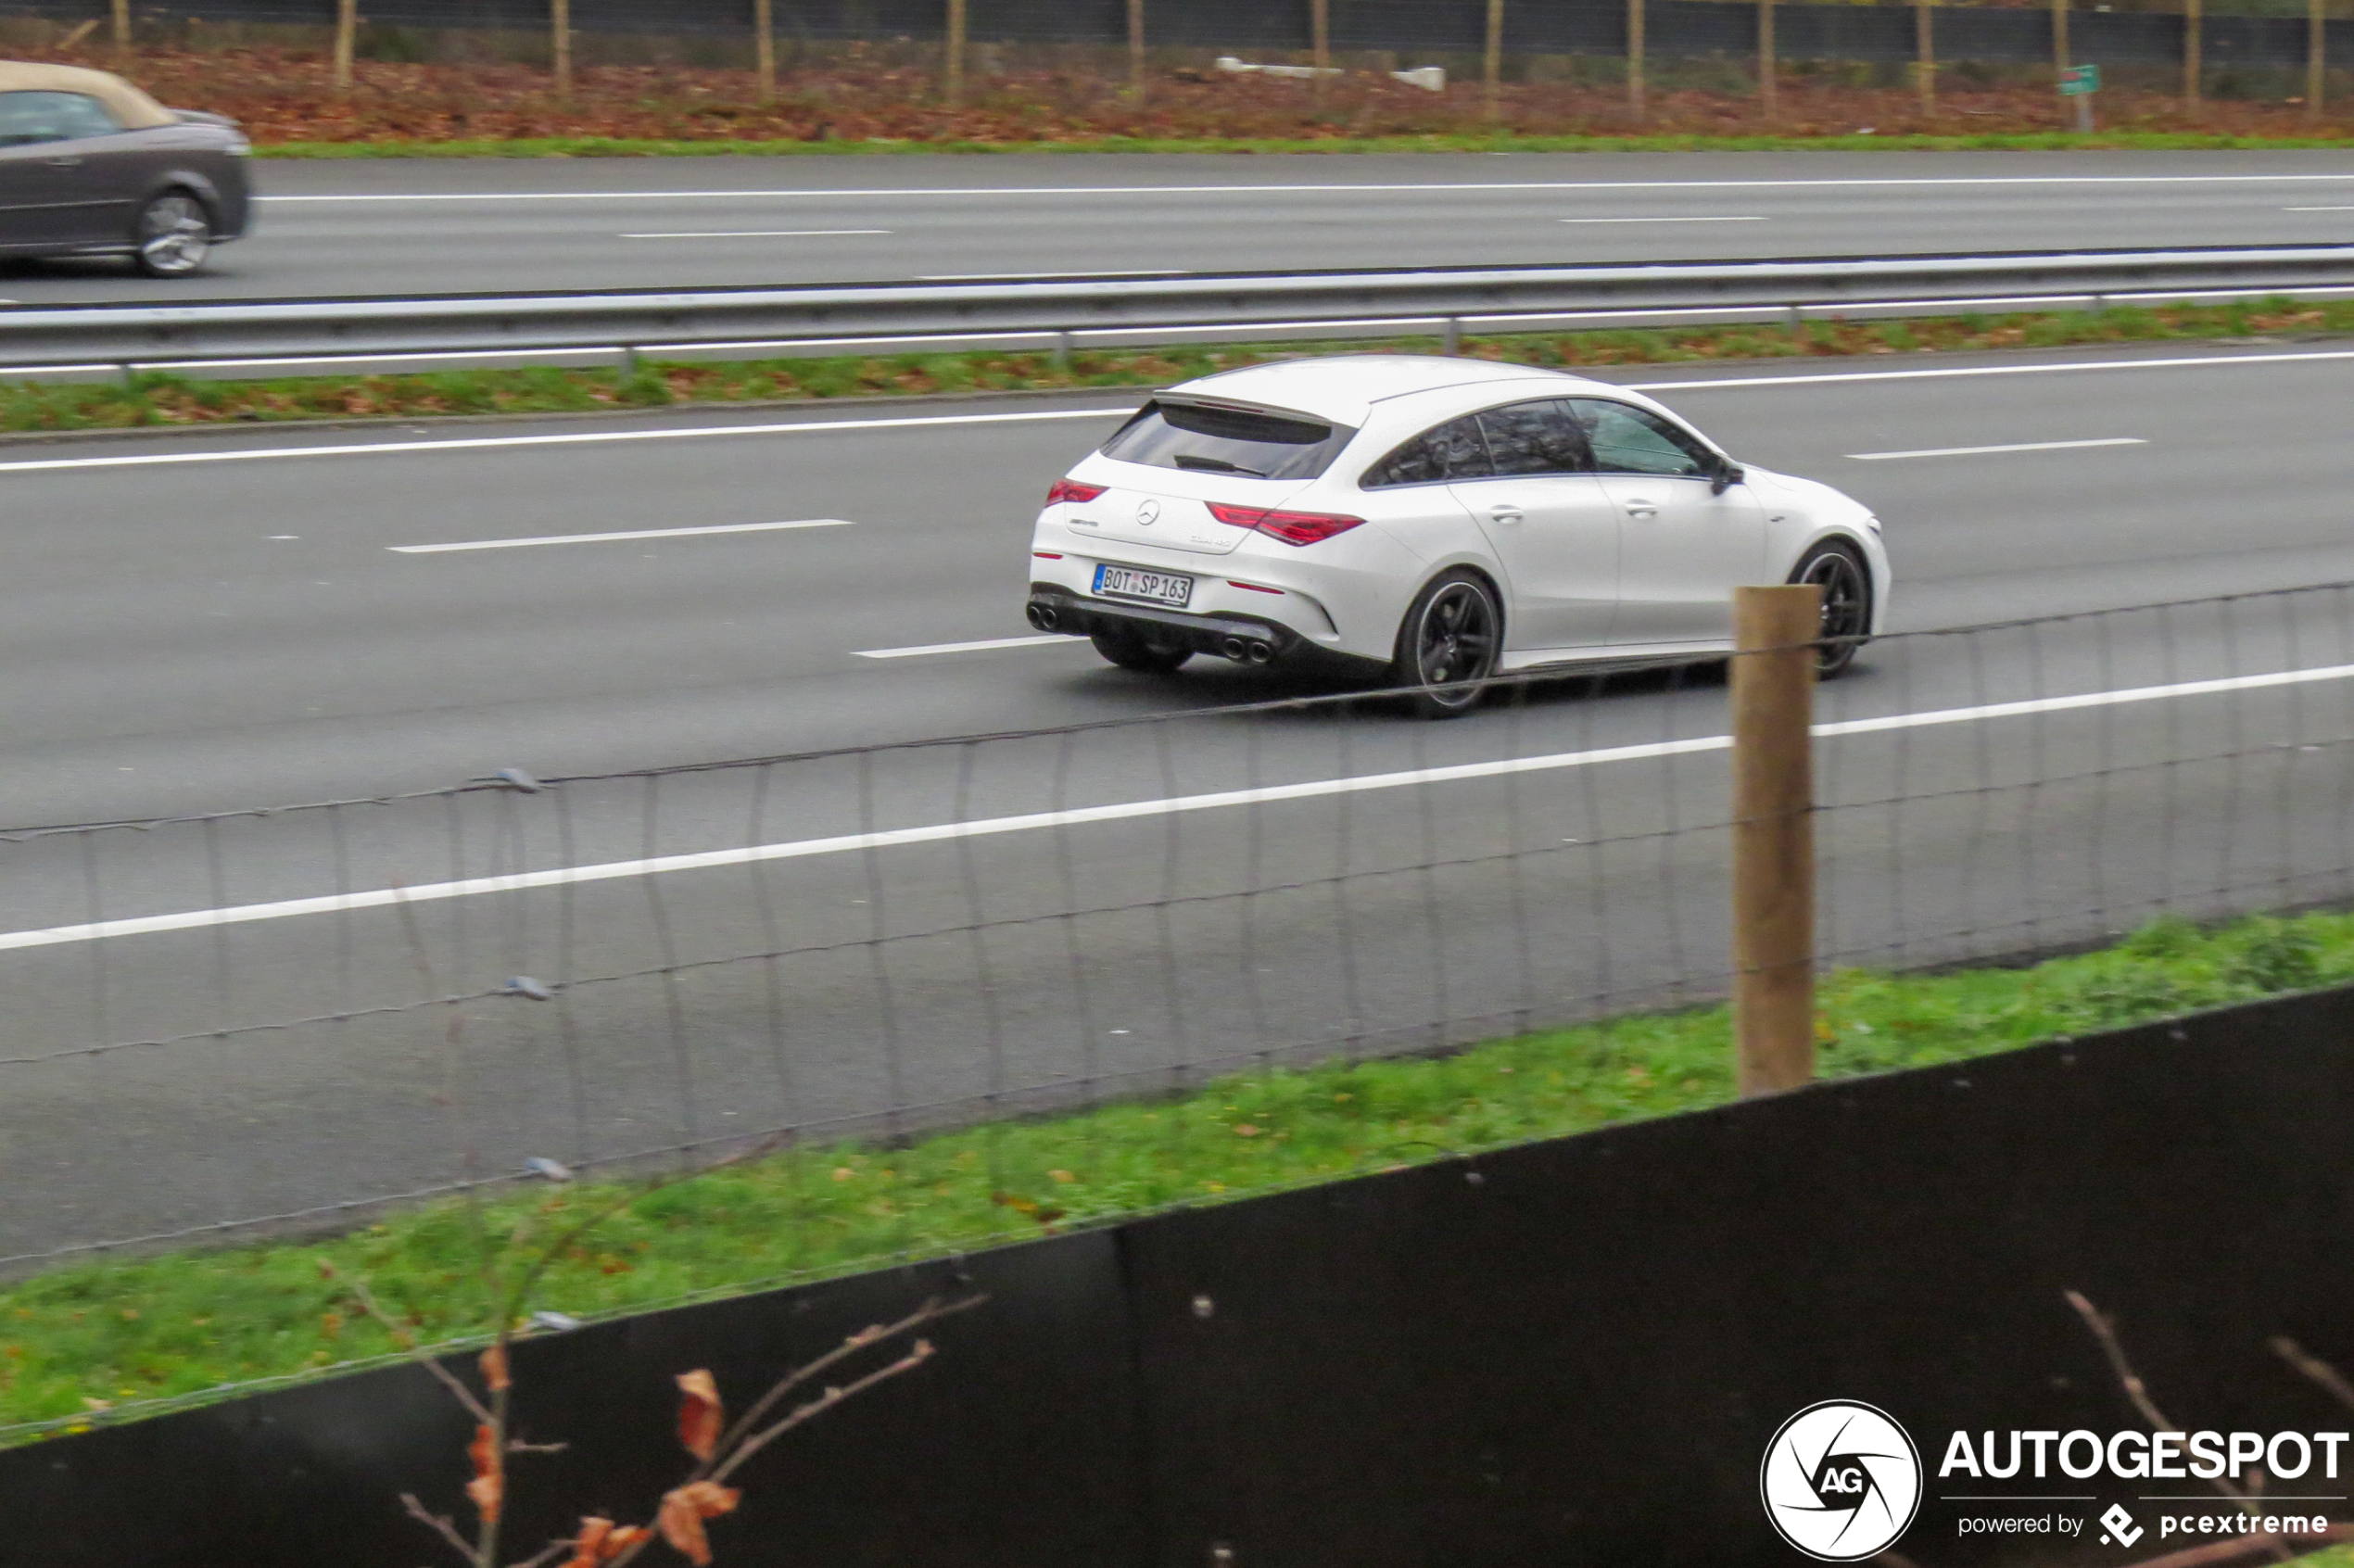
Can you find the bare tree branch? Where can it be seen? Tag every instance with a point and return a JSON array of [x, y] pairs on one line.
[[930, 1311], [2313, 1367], [2136, 1389], [2138, 1392], [408, 1342], [440, 1524], [824, 1403], [544, 1555], [741, 1441]]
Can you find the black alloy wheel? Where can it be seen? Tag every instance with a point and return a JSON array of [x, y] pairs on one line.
[[1846, 625], [1446, 648], [1132, 648]]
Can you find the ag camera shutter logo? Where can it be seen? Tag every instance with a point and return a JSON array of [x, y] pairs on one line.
[[1841, 1481]]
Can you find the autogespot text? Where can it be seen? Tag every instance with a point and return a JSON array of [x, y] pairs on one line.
[[2136, 1456]]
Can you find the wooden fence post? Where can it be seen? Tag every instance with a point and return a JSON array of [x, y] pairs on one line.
[[1319, 31], [1773, 689], [123, 28], [2060, 61], [2193, 49], [2316, 33], [1925, 54], [559, 30], [764, 47], [1495, 62], [1635, 105], [953, 88], [347, 41], [1766, 104], [1137, 50]]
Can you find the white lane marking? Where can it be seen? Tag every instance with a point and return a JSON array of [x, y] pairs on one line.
[[963, 647], [1410, 189], [1663, 219], [578, 439], [1017, 277], [2014, 446], [759, 234], [630, 533], [1979, 370], [2317, 210], [941, 832]]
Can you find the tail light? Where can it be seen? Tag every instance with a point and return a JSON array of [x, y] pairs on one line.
[[1072, 491], [1292, 528]]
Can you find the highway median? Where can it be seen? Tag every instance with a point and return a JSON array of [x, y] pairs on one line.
[[151, 399]]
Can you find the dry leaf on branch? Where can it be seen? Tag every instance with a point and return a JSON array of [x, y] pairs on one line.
[[494, 1369], [699, 1414], [601, 1540], [684, 1510], [488, 1488]]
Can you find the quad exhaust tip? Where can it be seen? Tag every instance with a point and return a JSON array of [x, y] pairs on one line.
[[1251, 650]]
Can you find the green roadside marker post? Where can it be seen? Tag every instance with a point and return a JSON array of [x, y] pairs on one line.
[[2080, 83]]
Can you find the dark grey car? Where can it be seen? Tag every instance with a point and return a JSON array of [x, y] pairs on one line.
[[92, 166]]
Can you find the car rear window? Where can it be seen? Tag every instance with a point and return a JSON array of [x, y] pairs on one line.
[[1255, 443]]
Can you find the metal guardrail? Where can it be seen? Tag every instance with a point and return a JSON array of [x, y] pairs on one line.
[[1064, 312]]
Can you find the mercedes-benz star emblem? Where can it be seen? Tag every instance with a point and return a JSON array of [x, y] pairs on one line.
[[1148, 512]]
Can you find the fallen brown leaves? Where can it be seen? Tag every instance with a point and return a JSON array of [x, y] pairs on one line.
[[894, 95]]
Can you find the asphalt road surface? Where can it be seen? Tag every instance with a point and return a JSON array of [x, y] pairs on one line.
[[246, 627], [404, 226]]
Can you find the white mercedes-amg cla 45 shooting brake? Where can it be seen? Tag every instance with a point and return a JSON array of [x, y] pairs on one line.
[[1433, 522]]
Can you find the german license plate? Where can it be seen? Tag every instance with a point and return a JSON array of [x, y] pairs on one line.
[[1153, 588]]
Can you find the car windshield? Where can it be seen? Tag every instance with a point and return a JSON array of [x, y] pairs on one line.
[[1254, 443]]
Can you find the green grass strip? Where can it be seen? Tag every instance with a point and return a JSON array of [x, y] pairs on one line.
[[158, 399], [99, 1340], [630, 147]]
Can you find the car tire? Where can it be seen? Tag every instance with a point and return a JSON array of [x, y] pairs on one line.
[[1132, 649], [1447, 645], [1839, 570], [172, 236]]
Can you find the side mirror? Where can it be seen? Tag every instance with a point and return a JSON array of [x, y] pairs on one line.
[[1728, 473]]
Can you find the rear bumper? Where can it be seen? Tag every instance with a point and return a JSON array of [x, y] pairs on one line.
[[1056, 608]]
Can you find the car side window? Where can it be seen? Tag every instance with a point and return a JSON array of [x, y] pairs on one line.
[[1452, 450], [1631, 440], [1539, 437], [29, 117]]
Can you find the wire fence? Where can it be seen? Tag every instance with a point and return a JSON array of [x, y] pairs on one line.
[[2246, 33], [227, 1025]]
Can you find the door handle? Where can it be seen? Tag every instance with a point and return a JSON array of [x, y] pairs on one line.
[[1634, 510], [67, 160], [1506, 513]]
